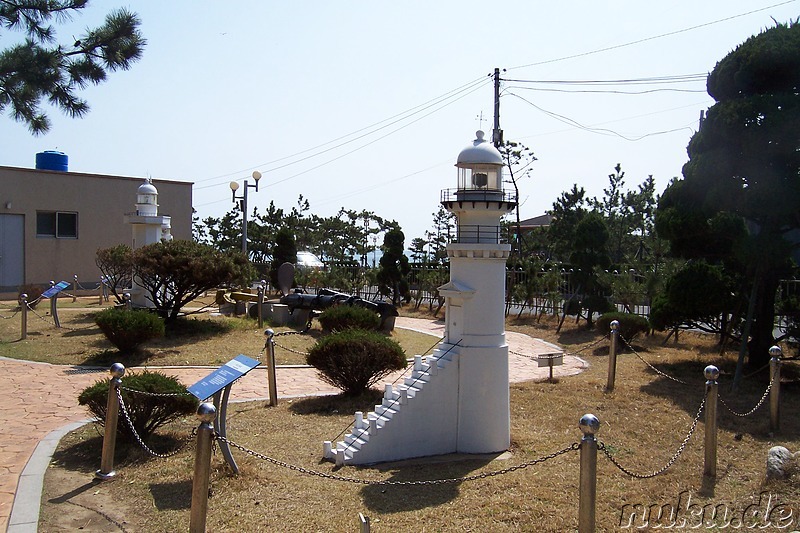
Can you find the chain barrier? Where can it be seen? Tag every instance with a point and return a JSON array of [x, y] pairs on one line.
[[16, 312], [654, 369], [572, 447], [759, 404], [156, 394], [138, 438], [588, 346], [283, 333], [751, 374], [602, 446], [292, 350], [51, 322]]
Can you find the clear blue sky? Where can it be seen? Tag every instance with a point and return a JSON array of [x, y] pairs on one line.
[[396, 88]]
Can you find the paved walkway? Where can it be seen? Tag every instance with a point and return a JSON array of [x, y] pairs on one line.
[[40, 398]]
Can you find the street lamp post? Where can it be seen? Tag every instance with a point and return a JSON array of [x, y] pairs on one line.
[[234, 187]]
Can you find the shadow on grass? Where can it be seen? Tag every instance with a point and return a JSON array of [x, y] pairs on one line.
[[399, 498], [174, 495], [336, 404], [750, 392], [106, 358]]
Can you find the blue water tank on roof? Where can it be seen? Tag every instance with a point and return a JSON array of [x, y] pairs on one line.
[[52, 160]]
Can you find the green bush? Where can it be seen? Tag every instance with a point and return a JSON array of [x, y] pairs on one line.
[[128, 329], [147, 413], [342, 317], [354, 359], [630, 324]]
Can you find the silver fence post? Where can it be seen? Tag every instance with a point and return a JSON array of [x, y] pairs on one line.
[[100, 291], [775, 389], [260, 306], [106, 471], [273, 383], [589, 424], [206, 412], [712, 391], [23, 307], [128, 301], [75, 288], [612, 355]]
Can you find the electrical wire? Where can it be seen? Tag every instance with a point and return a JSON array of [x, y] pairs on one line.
[[599, 131], [373, 141], [369, 130], [646, 39]]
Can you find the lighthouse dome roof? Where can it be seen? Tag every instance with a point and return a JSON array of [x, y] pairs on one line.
[[480, 151]]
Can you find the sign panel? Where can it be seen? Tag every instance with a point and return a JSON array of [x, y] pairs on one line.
[[55, 289], [222, 377]]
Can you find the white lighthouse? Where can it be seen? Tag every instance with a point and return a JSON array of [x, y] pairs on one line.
[[148, 227], [457, 399]]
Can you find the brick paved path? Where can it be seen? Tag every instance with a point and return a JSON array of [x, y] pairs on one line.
[[38, 398]]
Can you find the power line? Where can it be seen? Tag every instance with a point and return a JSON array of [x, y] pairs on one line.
[[371, 129], [596, 91], [639, 41], [599, 131], [652, 80]]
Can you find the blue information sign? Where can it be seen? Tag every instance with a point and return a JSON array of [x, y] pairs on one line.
[[223, 376], [55, 289]]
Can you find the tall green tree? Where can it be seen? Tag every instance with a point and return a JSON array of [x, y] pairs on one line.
[[284, 251], [394, 267], [38, 69], [568, 210], [744, 163]]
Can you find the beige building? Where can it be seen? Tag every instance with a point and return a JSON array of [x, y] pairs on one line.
[[53, 222]]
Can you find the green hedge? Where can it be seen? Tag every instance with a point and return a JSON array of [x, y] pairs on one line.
[[128, 329], [342, 317], [147, 413], [354, 359], [630, 324]]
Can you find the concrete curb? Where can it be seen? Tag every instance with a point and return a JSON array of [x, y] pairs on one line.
[[27, 502]]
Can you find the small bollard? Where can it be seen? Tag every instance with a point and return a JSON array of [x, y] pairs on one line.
[[128, 302], [206, 412], [589, 425], [260, 306], [23, 307], [775, 389], [712, 392], [106, 471], [272, 380], [612, 355], [75, 288]]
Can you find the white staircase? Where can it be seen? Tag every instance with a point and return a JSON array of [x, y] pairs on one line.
[[416, 419]]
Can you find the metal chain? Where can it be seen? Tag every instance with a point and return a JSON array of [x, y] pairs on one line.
[[759, 404], [51, 321], [157, 394], [654, 369], [602, 446], [298, 352], [16, 312], [139, 438], [572, 447], [592, 345]]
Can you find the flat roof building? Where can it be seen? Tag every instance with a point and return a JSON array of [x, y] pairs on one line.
[[52, 222]]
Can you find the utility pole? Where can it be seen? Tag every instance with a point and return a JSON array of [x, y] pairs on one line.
[[497, 133]]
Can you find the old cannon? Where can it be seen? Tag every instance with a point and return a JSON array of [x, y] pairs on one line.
[[326, 298]]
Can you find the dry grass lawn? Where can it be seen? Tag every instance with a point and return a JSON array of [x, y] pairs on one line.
[[643, 422]]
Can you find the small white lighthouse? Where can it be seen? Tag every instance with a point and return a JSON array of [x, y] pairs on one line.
[[148, 227], [475, 297], [456, 399]]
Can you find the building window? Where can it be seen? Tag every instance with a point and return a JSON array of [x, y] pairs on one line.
[[57, 224]]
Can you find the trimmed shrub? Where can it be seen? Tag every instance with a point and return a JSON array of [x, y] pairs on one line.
[[147, 413], [128, 329], [630, 324], [342, 317], [354, 359]]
